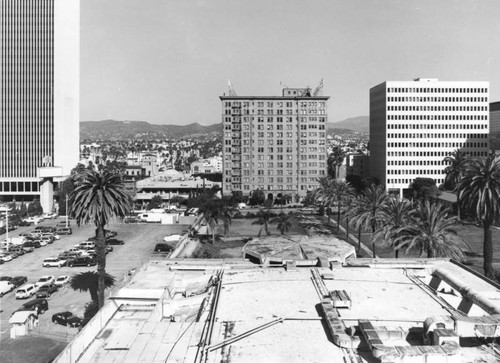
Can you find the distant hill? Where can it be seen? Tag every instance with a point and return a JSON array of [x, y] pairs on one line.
[[117, 130], [359, 124]]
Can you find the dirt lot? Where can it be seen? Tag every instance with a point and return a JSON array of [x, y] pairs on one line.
[[49, 339]]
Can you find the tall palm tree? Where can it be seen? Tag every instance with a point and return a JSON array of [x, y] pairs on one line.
[[226, 216], [457, 165], [395, 214], [211, 217], [366, 211], [342, 191], [264, 220], [479, 190], [89, 281], [334, 161], [97, 197], [324, 193], [284, 222], [431, 232]]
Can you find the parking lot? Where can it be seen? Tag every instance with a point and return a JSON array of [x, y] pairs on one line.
[[139, 239]]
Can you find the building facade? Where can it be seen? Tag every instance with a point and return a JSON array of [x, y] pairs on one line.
[[274, 143], [414, 125], [495, 127], [39, 101]]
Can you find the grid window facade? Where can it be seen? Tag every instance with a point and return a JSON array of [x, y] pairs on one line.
[[415, 125], [272, 143]]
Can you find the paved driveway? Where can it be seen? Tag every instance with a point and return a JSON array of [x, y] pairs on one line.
[[49, 339]]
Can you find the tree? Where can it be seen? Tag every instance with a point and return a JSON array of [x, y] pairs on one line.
[[457, 165], [35, 208], [366, 211], [342, 191], [257, 197], [213, 211], [264, 216], [335, 159], [66, 187], [98, 196], [284, 222], [155, 202], [89, 281], [479, 190], [425, 189], [395, 215], [431, 232]]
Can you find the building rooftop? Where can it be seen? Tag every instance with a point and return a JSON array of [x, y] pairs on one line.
[[364, 310]]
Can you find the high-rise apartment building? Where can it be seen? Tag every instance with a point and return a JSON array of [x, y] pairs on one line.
[[39, 99], [414, 125], [274, 143], [495, 127]]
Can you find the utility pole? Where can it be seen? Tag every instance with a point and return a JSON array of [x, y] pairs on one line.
[[66, 210]]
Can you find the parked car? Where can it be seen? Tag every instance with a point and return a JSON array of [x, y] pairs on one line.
[[45, 229], [38, 305], [46, 291], [19, 280], [64, 230], [45, 280], [47, 239], [61, 280], [53, 262], [6, 287], [87, 245], [52, 235], [5, 257], [67, 255], [82, 261], [26, 291], [42, 242], [67, 318], [18, 249], [114, 241], [29, 246], [163, 247], [5, 278]]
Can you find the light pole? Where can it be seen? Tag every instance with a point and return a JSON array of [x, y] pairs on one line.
[[66, 210]]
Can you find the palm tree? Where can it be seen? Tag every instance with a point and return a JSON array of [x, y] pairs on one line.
[[335, 159], [479, 190], [366, 211], [431, 232], [211, 217], [97, 197], [226, 216], [342, 191], [395, 214], [89, 281], [458, 162], [324, 193], [284, 222], [264, 219]]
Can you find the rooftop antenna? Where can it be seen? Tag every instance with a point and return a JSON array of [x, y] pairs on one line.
[[231, 91], [318, 89]]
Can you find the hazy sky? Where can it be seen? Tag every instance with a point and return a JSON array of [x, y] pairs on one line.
[[167, 62]]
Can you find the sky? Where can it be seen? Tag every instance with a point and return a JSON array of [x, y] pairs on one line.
[[168, 61]]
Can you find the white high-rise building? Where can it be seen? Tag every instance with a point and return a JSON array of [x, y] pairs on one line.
[[414, 125], [39, 99]]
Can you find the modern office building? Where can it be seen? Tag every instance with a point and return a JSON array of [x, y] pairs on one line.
[[495, 127], [414, 125], [39, 99], [274, 143]]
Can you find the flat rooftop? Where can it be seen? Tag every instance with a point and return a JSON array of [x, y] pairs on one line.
[[234, 311]]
